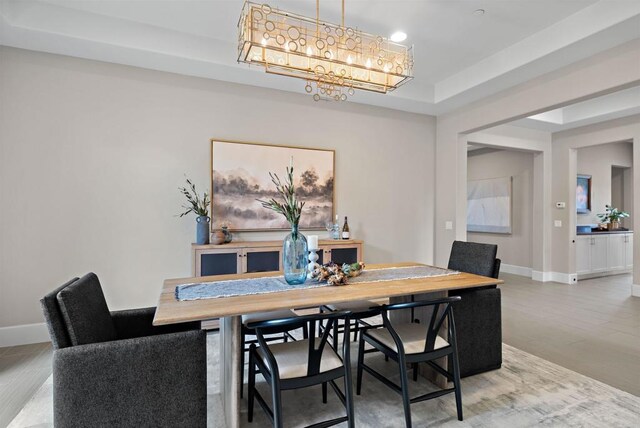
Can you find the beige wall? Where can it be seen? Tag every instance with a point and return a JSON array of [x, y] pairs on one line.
[[566, 146], [597, 162], [513, 249], [91, 155], [601, 74]]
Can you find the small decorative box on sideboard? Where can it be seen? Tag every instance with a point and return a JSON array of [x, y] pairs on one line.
[[264, 256]]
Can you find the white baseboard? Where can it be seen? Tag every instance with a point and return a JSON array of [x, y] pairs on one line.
[[563, 278], [635, 290], [516, 270], [540, 276], [23, 334]]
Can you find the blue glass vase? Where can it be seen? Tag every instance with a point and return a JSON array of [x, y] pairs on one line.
[[294, 257]]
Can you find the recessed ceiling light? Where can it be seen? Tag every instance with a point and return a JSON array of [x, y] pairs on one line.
[[398, 37], [478, 12]]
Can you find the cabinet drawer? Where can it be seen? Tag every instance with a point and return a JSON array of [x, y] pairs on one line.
[[262, 261], [218, 263]]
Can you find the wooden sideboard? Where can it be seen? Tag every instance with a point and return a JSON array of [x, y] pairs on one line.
[[264, 256]]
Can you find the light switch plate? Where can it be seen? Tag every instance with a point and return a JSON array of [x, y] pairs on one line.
[[448, 225], [561, 205], [557, 223]]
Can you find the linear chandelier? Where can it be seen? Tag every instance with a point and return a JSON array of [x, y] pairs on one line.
[[333, 59]]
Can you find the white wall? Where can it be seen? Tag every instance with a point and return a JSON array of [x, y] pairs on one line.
[[597, 161], [515, 248], [91, 155]]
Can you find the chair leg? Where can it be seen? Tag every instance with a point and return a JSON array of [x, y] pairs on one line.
[[356, 329], [404, 383], [360, 365], [242, 345], [415, 371], [348, 394], [277, 404], [456, 382], [252, 385]]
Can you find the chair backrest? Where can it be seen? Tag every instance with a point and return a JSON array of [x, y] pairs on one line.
[[476, 258], [85, 311], [441, 312], [53, 317], [316, 344]]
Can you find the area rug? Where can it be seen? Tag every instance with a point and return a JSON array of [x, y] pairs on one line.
[[526, 391]]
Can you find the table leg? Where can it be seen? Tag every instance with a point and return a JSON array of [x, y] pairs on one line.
[[230, 331]]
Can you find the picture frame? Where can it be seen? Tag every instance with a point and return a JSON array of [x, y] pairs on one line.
[[240, 176], [583, 194]]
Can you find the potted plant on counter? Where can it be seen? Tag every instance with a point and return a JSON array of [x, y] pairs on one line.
[[612, 216]]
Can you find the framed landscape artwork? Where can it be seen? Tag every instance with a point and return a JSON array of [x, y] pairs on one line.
[[240, 176], [583, 194]]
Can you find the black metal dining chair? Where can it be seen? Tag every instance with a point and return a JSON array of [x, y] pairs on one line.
[[412, 343], [300, 364]]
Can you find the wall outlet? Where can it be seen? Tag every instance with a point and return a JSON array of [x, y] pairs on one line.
[[448, 225], [561, 205], [557, 223]]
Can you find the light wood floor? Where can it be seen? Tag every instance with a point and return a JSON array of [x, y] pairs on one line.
[[592, 328], [23, 369]]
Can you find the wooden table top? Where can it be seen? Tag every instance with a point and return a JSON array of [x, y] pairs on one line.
[[172, 311]]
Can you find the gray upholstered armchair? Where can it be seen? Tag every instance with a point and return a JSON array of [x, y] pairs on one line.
[[479, 314], [117, 369]]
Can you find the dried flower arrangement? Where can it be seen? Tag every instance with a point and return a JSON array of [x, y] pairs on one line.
[[334, 274]]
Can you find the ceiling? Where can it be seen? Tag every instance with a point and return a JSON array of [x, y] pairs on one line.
[[612, 106], [460, 56]]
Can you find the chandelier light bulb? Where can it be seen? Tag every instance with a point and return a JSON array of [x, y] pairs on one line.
[[264, 42], [368, 64], [309, 51], [349, 60]]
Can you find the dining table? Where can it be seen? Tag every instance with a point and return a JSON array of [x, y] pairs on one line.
[[230, 308]]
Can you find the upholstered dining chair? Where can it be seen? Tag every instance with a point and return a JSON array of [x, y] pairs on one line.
[[116, 368], [413, 343], [479, 314], [300, 364]]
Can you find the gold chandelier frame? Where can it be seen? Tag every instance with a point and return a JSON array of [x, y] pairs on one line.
[[335, 58]]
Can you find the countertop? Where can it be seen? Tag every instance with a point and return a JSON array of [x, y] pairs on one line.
[[605, 232]]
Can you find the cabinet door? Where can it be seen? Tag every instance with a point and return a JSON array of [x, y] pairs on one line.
[[340, 254], [616, 253], [267, 259], [583, 254], [218, 262], [628, 251], [599, 250]]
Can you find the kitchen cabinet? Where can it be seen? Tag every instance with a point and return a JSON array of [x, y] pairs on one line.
[[604, 253]]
